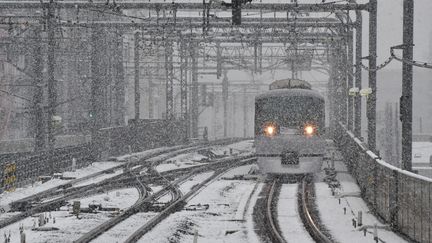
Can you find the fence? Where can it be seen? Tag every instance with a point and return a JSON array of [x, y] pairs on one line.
[[31, 165], [401, 198], [113, 141]]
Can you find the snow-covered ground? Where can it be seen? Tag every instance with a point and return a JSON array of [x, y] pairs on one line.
[[69, 227], [186, 186], [195, 158], [221, 222], [339, 224], [289, 219], [22, 192]]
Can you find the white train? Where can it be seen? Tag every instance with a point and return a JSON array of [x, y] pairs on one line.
[[289, 122]]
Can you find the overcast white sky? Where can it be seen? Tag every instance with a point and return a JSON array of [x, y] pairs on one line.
[[390, 14]]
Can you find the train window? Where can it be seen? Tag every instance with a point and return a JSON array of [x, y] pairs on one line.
[[290, 111]]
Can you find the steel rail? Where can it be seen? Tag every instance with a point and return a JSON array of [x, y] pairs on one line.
[[95, 232], [314, 230], [67, 187], [96, 187], [63, 187], [180, 202], [274, 232]]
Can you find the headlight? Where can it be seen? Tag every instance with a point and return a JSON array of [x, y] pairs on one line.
[[309, 130], [270, 130]]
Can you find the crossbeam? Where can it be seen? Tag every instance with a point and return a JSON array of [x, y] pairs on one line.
[[277, 7]]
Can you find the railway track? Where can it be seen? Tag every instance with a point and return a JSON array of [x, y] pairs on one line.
[[274, 232], [177, 202], [268, 222], [309, 217], [30, 205], [70, 187]]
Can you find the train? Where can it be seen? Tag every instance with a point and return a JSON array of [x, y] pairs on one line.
[[289, 128]]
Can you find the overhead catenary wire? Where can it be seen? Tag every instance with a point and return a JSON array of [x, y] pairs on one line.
[[379, 67], [413, 63]]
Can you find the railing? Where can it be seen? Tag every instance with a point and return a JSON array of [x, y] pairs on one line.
[[113, 141], [31, 165], [401, 198]]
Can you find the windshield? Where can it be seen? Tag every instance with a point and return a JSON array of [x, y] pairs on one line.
[[290, 111]]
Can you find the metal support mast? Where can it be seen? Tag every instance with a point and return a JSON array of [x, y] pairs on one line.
[[343, 85], [358, 74], [52, 84], [150, 95], [407, 84], [194, 90], [183, 87], [183, 80], [169, 80], [225, 103], [137, 76], [245, 112], [350, 80], [119, 82], [96, 99], [372, 98], [38, 92]]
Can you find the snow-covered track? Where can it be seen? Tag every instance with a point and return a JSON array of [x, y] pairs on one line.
[[274, 232], [121, 180], [70, 187], [172, 187], [308, 216], [178, 203]]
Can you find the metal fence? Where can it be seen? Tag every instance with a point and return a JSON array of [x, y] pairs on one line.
[[31, 165], [401, 198], [113, 141]]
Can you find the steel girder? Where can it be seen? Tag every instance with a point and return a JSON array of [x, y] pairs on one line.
[[279, 7]]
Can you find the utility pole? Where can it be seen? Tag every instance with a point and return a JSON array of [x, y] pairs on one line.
[[137, 76], [52, 84], [150, 94], [169, 80], [245, 106], [119, 82], [183, 80], [236, 12], [350, 80], [407, 84], [225, 103], [372, 98], [38, 92], [183, 89], [343, 85], [358, 74], [97, 116], [194, 89]]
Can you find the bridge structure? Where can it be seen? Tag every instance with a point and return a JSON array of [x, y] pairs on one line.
[[79, 58]]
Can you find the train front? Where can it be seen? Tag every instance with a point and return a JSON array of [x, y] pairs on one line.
[[288, 131]]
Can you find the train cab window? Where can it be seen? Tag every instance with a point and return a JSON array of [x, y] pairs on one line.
[[289, 112]]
